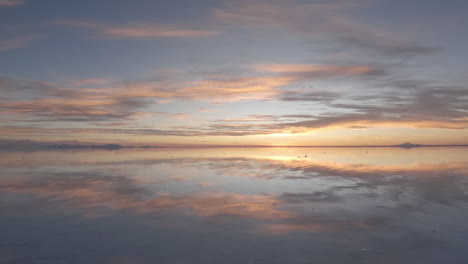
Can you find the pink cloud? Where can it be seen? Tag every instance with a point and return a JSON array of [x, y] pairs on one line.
[[317, 69], [93, 81], [139, 30], [9, 3], [208, 110], [16, 43]]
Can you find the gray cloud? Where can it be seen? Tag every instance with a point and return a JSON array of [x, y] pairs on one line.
[[16, 42], [389, 48], [317, 20], [403, 101], [317, 96], [10, 3]]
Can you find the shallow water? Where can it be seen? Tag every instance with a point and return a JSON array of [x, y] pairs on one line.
[[235, 205]]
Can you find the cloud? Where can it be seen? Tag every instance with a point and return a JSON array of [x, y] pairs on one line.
[[52, 101], [84, 110], [332, 20], [277, 13], [212, 88], [390, 48], [252, 118], [139, 30], [209, 110], [314, 197], [151, 31], [10, 3], [105, 99], [311, 70], [17, 42], [93, 82], [315, 96], [14, 86], [428, 108], [423, 105], [184, 131], [225, 88]]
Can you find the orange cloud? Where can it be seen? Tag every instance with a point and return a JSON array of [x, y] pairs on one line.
[[145, 30], [326, 70], [139, 30], [228, 89], [213, 88]]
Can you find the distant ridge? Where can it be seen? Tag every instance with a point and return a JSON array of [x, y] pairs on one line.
[[35, 145], [105, 146], [408, 145]]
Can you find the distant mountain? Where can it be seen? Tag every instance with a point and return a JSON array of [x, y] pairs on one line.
[[408, 145], [70, 146], [34, 145], [24, 145], [104, 146]]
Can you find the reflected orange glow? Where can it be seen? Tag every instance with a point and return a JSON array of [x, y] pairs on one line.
[[372, 159], [95, 193]]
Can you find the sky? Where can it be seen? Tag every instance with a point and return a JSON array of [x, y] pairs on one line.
[[234, 72]]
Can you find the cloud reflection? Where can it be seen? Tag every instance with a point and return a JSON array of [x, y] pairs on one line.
[[395, 187], [335, 197]]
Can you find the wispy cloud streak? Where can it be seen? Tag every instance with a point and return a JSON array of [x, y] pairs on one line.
[[10, 3], [138, 30], [17, 42], [331, 20]]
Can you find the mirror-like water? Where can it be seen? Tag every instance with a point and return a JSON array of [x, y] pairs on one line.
[[235, 205]]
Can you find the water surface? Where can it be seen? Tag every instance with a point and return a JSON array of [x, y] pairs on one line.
[[235, 205]]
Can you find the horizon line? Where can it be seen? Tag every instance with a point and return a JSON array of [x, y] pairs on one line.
[[28, 144]]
